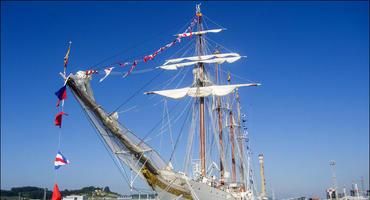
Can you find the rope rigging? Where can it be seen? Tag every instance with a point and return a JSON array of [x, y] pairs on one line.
[[146, 58], [154, 36], [210, 130], [137, 92], [179, 135]]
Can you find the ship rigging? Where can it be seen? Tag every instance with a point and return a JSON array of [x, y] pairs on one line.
[[217, 158]]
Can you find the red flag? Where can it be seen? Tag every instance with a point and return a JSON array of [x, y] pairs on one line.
[[149, 57], [58, 119], [56, 193]]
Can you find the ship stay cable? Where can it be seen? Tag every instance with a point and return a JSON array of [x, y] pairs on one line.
[[168, 82], [251, 177], [180, 133], [235, 75], [162, 130], [169, 125], [156, 125], [169, 121], [114, 158], [189, 145], [205, 16], [214, 130], [165, 124], [137, 92], [175, 119], [220, 45]]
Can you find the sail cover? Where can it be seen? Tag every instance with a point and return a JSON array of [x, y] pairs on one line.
[[199, 32], [215, 90], [205, 57], [200, 60]]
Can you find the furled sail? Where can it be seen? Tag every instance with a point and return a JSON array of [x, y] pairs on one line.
[[205, 57], [215, 90], [198, 60], [199, 32]]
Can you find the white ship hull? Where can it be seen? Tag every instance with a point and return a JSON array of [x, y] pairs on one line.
[[201, 191]]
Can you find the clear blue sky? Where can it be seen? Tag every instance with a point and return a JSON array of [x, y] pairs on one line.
[[312, 58]]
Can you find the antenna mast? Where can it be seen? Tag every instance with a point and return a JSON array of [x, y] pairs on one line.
[[332, 164]]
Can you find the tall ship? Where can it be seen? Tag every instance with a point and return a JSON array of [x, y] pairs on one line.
[[217, 160]]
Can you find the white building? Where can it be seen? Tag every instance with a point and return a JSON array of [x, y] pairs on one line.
[[75, 197]]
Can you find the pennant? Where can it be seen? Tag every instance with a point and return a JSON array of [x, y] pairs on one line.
[[131, 69], [169, 45], [107, 72], [146, 58], [60, 160], [58, 119], [61, 94], [67, 56], [157, 52], [56, 193], [91, 71], [152, 56], [123, 64]]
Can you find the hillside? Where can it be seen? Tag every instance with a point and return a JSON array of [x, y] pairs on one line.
[[38, 193]]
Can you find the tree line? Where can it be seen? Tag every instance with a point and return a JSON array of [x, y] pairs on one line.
[[38, 193]]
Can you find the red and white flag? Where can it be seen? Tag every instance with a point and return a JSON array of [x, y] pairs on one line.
[[91, 71]]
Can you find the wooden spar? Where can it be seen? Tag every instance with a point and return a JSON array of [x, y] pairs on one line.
[[220, 141], [233, 175], [201, 100], [149, 170], [202, 137], [232, 138], [240, 141], [220, 129]]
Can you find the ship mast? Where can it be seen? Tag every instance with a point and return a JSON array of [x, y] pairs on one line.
[[219, 114], [240, 139], [202, 87], [200, 83], [233, 167]]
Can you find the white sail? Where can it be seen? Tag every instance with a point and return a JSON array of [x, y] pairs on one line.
[[199, 32], [197, 58], [215, 90], [209, 61]]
